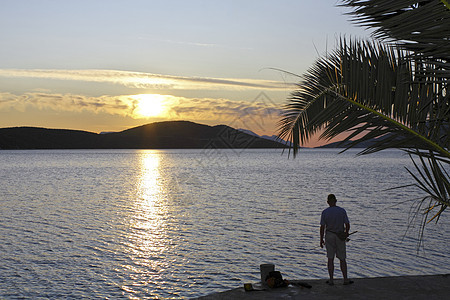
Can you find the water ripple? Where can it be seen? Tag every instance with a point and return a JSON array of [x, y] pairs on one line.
[[157, 224]]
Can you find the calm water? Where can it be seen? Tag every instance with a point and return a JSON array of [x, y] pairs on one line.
[[185, 223]]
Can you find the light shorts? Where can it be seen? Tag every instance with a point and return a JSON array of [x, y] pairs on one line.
[[335, 246]]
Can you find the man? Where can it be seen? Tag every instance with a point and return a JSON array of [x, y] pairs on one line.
[[334, 221]]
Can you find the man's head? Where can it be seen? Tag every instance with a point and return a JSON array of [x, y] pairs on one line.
[[331, 200]]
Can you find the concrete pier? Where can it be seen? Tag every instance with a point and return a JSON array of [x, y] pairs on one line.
[[399, 287]]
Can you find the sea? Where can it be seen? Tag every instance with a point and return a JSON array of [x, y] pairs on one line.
[[179, 224]]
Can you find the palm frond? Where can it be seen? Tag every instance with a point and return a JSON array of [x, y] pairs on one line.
[[433, 179], [420, 26], [364, 89]]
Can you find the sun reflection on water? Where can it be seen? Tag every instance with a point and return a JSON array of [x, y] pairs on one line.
[[149, 185], [148, 240]]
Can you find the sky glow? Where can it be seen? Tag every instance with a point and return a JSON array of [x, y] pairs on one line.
[[89, 65]]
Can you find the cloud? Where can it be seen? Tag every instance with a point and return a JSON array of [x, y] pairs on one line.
[[239, 114], [196, 44], [148, 80], [193, 43], [175, 107], [116, 105]]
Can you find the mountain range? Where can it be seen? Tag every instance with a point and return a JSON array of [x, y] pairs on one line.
[[159, 135]]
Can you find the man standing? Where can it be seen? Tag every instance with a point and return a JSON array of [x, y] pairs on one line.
[[334, 221]]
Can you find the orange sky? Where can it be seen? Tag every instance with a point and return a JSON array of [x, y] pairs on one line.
[[112, 65]]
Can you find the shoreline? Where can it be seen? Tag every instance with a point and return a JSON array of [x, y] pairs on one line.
[[395, 287]]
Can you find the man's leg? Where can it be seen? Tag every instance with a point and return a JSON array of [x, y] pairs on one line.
[[331, 269], [330, 244], [344, 269]]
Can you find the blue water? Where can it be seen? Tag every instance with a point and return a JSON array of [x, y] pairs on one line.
[[185, 223]]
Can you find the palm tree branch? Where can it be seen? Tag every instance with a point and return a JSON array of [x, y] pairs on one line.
[[446, 3], [421, 27], [405, 128]]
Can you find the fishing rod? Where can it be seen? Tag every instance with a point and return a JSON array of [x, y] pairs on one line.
[[347, 239]]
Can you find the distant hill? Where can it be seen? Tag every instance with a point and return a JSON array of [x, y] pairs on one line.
[[365, 144], [159, 135], [271, 138], [342, 144], [43, 138]]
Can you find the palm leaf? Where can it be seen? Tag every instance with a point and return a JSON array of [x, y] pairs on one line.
[[433, 179], [419, 26], [364, 89]]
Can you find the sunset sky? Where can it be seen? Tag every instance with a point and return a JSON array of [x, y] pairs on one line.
[[111, 65]]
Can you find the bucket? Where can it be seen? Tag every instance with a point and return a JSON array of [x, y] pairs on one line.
[[265, 270]]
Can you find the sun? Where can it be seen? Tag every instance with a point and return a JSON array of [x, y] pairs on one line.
[[149, 105]]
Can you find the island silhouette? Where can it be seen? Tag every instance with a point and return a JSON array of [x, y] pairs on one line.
[[158, 135]]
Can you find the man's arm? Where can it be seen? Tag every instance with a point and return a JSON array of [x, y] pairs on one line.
[[322, 232], [347, 228]]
